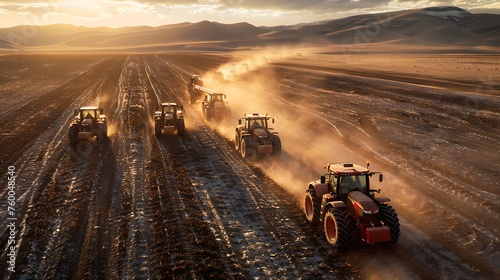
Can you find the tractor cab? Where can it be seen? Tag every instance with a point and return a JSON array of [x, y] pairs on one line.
[[88, 112], [212, 97], [169, 113], [343, 178], [253, 121], [87, 117], [196, 80], [88, 122], [349, 183]]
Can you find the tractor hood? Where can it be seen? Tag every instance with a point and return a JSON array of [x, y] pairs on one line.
[[362, 203], [261, 133]]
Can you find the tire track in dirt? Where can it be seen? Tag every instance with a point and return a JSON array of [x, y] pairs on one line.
[[190, 244], [40, 226], [446, 218], [243, 211], [137, 152]]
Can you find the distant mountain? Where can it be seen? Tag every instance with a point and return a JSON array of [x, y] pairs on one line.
[[430, 26], [435, 27]]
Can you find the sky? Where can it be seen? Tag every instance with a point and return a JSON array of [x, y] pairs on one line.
[[118, 13]]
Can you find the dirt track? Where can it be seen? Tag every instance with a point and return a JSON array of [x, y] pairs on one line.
[[190, 207]]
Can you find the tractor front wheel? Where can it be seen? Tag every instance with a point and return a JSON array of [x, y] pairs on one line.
[[103, 128], [390, 218], [158, 128], [181, 127], [276, 142], [338, 228], [236, 141], [246, 151], [73, 134]]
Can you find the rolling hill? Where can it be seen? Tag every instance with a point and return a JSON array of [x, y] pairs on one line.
[[428, 29]]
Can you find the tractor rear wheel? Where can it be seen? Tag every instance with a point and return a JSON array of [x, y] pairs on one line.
[[311, 206], [158, 128], [73, 134], [338, 228], [276, 142], [181, 127], [210, 114], [390, 218], [246, 151], [103, 128]]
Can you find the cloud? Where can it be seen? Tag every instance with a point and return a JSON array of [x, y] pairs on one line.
[[160, 12]]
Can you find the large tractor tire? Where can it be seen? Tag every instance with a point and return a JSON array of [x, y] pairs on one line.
[[73, 134], [181, 127], [158, 128], [103, 128], [237, 141], [247, 151], [193, 97], [276, 142], [338, 228], [312, 206], [390, 218], [210, 114]]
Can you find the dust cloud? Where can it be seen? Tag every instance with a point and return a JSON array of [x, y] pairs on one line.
[[309, 141]]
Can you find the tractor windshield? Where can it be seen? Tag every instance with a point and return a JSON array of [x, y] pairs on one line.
[[88, 114], [257, 123], [167, 109], [350, 183]]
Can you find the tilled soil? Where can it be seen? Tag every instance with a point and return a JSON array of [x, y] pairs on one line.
[[137, 206]]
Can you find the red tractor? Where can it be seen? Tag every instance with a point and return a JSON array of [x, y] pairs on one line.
[[194, 88], [214, 107], [254, 138], [88, 122], [169, 119], [343, 203]]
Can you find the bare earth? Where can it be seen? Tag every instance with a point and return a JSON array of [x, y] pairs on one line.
[[191, 207]]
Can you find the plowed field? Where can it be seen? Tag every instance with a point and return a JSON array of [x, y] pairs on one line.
[[186, 207]]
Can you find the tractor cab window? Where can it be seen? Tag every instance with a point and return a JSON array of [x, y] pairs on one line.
[[217, 97], [332, 181], [170, 109], [351, 183], [256, 123], [88, 114]]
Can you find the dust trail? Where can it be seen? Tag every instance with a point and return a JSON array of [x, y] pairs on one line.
[[309, 140]]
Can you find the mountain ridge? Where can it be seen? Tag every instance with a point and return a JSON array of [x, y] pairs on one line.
[[436, 27]]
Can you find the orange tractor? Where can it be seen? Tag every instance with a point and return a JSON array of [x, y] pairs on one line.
[[214, 107], [254, 138], [89, 122], [343, 203]]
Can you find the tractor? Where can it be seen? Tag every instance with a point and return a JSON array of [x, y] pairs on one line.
[[346, 208], [254, 138], [193, 88], [214, 107], [218, 77], [169, 119], [88, 122]]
